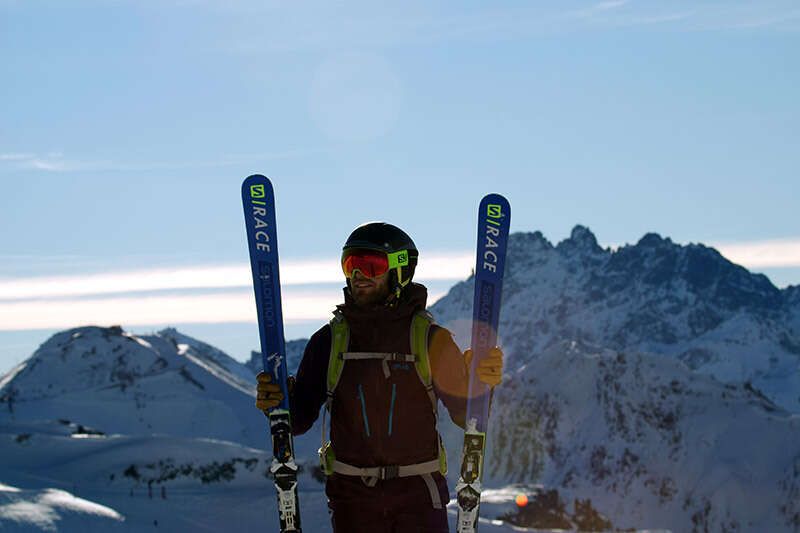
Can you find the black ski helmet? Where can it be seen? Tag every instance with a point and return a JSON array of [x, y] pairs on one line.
[[394, 242]]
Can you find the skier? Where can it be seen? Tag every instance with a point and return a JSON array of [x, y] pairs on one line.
[[379, 367]]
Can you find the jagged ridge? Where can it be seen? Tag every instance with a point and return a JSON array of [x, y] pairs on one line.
[[687, 302]]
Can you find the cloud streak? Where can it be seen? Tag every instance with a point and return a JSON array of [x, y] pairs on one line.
[[774, 253], [232, 306], [51, 162], [238, 306], [67, 301], [373, 25], [56, 162], [452, 266]]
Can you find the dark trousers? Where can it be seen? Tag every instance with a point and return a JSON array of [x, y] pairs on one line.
[[366, 519]]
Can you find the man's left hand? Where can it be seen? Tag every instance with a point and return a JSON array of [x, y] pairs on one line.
[[490, 370]]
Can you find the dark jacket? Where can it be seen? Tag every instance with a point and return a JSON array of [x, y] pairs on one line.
[[379, 421]]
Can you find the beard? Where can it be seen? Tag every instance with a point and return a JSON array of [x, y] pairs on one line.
[[372, 297]]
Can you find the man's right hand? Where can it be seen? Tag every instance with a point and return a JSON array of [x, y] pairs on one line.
[[268, 394]]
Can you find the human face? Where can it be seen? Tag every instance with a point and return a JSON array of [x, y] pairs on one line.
[[367, 291]]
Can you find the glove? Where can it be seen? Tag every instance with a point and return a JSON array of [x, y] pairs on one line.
[[490, 370], [268, 394]]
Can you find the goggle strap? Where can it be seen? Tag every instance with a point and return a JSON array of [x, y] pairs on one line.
[[398, 259]]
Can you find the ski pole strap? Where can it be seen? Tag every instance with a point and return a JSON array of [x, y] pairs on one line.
[[385, 358]]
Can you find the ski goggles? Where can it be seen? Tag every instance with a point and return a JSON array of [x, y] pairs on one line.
[[371, 263]]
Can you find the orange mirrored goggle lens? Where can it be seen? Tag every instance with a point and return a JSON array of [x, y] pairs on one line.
[[370, 264]]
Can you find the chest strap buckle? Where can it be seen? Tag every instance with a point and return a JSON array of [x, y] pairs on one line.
[[390, 472]]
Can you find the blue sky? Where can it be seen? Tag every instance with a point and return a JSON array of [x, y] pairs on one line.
[[127, 127]]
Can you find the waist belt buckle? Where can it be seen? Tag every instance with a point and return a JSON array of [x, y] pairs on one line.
[[390, 472]]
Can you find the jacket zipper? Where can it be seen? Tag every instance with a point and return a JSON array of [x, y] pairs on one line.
[[363, 408], [391, 408]]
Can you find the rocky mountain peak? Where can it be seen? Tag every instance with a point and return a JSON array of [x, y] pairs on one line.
[[653, 240], [792, 295], [528, 243], [581, 240], [683, 301]]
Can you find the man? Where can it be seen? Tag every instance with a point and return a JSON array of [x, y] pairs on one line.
[[380, 367]]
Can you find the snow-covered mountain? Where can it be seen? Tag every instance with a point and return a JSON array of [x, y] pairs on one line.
[[98, 422], [135, 385], [657, 382], [685, 302], [647, 441]]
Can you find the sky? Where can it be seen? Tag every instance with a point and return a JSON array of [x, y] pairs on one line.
[[127, 127]]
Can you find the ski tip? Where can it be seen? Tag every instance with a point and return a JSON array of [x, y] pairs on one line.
[[256, 182], [495, 209], [494, 197]]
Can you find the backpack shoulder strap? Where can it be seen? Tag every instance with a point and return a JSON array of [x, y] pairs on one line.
[[340, 339], [420, 328]]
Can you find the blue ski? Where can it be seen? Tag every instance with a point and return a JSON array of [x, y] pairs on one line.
[[258, 199], [494, 220]]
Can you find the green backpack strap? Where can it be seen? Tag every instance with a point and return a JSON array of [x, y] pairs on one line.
[[420, 329], [340, 339]]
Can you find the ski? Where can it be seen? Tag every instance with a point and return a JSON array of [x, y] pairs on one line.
[[494, 219], [258, 199]]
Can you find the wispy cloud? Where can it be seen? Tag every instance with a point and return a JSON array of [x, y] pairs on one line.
[[450, 266], [57, 162], [158, 309], [148, 296], [611, 4], [66, 301], [49, 162], [15, 157], [768, 253], [600, 7], [343, 27], [234, 306], [775, 253]]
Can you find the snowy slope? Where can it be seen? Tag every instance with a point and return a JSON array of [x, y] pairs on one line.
[[78, 482], [182, 484], [209, 354], [649, 442], [686, 302], [52, 510]]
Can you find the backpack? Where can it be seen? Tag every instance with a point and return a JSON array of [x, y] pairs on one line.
[[340, 339]]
